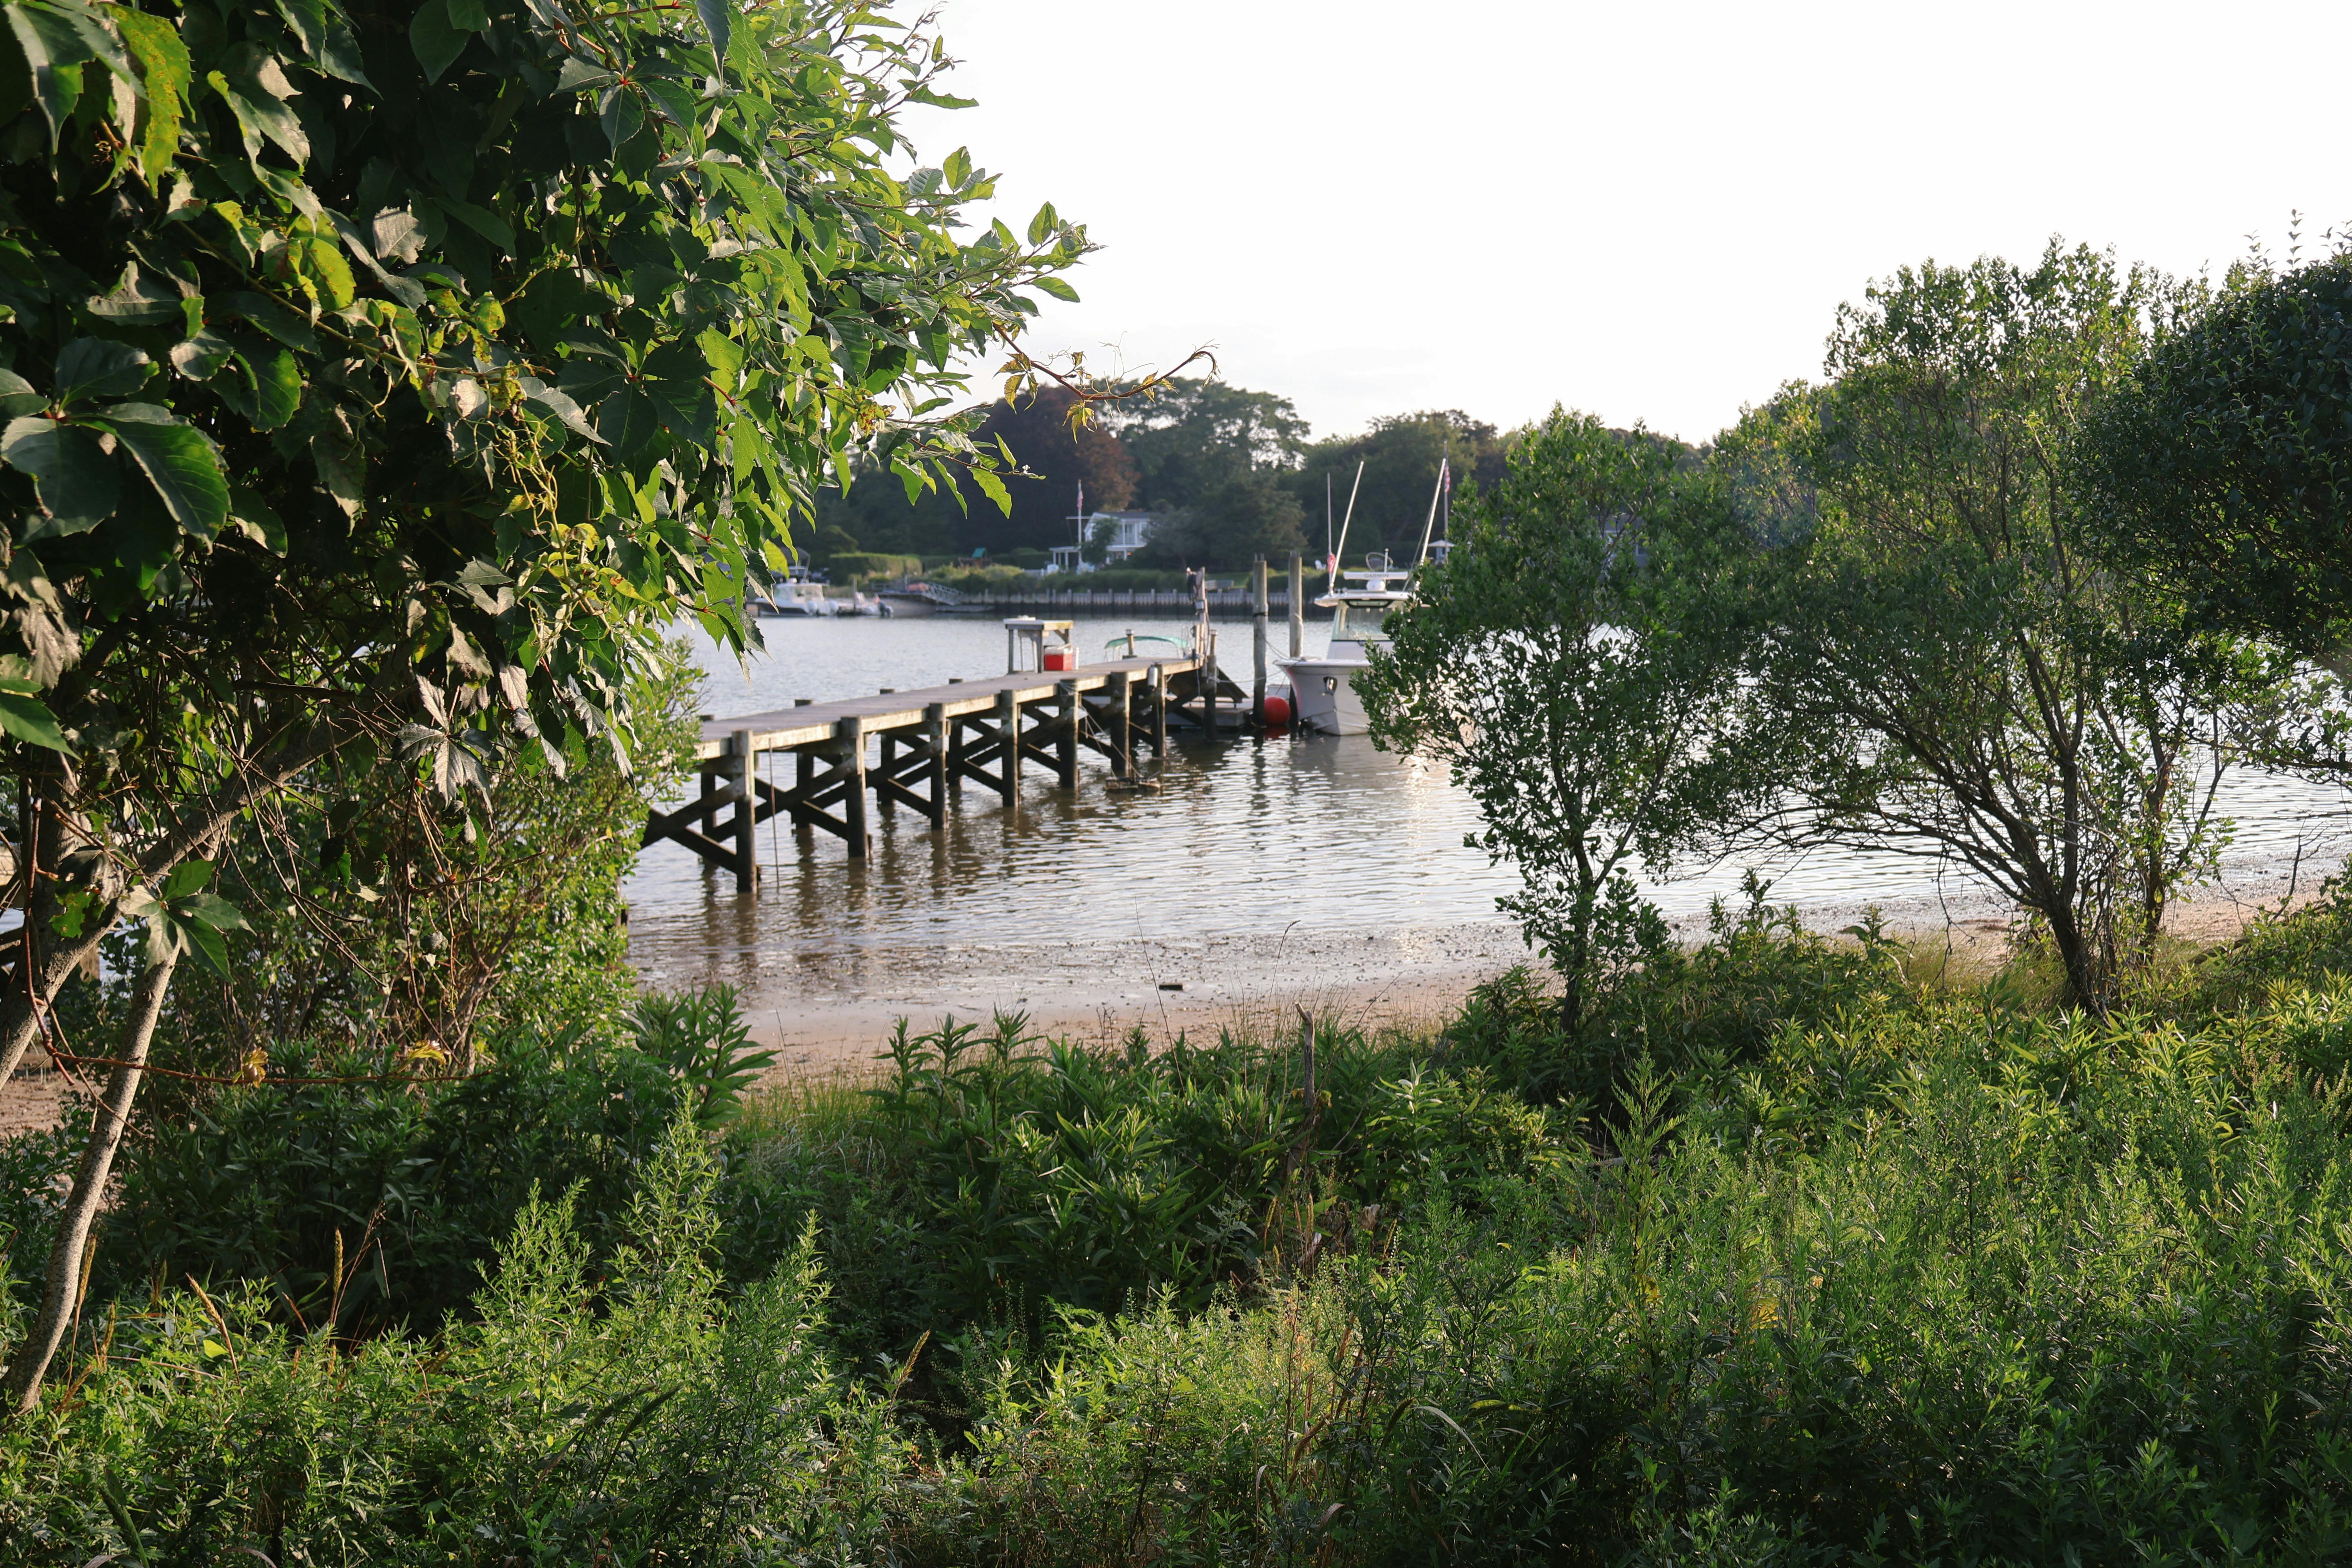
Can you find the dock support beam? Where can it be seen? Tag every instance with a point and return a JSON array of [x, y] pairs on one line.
[[746, 812], [934, 730], [851, 734]]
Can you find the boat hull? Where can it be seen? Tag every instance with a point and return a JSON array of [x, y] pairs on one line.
[[899, 605], [1323, 695]]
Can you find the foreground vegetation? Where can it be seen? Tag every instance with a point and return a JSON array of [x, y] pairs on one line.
[[1800, 1256]]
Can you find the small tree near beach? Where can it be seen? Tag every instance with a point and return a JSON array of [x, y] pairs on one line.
[[1575, 662]]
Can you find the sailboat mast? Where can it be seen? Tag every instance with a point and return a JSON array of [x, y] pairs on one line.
[[1331, 573], [1443, 465]]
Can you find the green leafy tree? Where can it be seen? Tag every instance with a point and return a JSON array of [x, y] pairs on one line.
[[1575, 661], [1954, 670], [1399, 454], [391, 379], [2224, 461]]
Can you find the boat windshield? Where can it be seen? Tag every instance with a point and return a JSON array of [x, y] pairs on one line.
[[1361, 621]]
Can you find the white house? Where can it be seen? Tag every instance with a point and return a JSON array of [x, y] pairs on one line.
[[1129, 533]]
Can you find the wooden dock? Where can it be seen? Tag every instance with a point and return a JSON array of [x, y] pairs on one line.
[[929, 742]]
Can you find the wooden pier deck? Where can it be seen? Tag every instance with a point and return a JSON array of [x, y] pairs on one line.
[[930, 742]]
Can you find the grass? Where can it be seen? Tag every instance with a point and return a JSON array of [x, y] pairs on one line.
[[1810, 1253]]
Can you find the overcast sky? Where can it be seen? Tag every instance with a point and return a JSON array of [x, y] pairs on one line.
[[1650, 211]]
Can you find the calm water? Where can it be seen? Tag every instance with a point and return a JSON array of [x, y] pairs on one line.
[[1321, 832]]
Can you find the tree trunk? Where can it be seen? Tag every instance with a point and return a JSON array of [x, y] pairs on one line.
[[2078, 955], [31, 1363]]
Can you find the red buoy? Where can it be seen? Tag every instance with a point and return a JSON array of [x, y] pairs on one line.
[[1277, 712]]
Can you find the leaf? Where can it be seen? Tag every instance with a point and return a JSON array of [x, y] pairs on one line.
[[185, 878], [1043, 224], [396, 235], [482, 221], [179, 462], [30, 720], [436, 39], [272, 318], [211, 909], [79, 484], [472, 15], [556, 403], [277, 385], [366, 249], [199, 356], [99, 367], [17, 396], [164, 72], [336, 473], [1048, 284], [257, 520], [57, 41], [259, 113], [993, 489], [719, 22], [580, 76], [326, 38]]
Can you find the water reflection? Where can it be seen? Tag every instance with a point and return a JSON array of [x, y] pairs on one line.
[[1242, 843]]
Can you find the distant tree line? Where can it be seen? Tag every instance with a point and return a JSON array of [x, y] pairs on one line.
[[1232, 472]]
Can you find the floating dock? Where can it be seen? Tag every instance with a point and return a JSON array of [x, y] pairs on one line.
[[978, 732]]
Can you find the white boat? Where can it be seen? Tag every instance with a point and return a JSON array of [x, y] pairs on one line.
[[791, 596], [1322, 690]]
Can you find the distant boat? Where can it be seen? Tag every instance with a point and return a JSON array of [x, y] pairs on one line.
[[919, 599], [791, 596]]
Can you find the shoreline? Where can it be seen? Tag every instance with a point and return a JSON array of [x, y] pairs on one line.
[[831, 1012]]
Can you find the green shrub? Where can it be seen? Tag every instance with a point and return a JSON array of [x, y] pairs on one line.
[[412, 1185], [619, 1413], [864, 565]]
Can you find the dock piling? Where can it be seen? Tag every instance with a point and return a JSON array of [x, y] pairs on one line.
[[889, 769], [1158, 712], [1066, 743], [934, 730], [1298, 614], [1008, 749], [746, 812], [851, 734], [1257, 644], [1122, 727]]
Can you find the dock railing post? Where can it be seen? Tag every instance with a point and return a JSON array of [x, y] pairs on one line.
[[1065, 749], [1257, 644], [1158, 711], [935, 726], [1008, 756], [747, 811], [851, 734], [1297, 620]]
